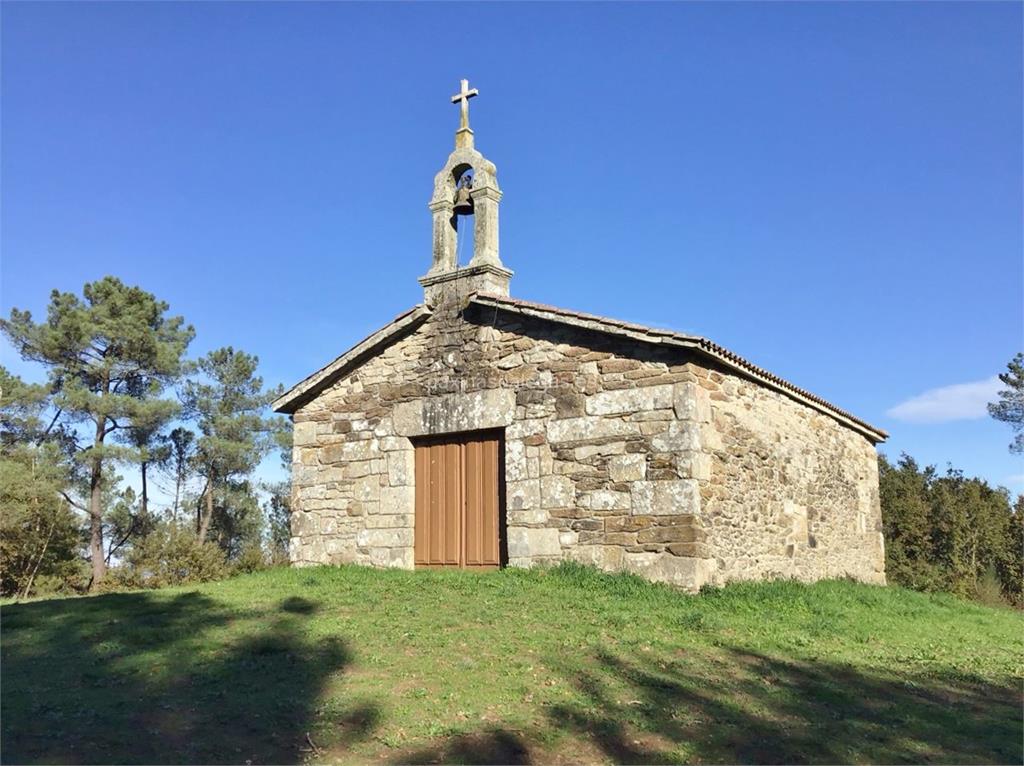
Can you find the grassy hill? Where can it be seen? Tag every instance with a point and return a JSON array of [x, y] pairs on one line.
[[565, 665]]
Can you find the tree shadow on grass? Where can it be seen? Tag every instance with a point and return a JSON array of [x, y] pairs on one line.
[[147, 678], [492, 746], [760, 709]]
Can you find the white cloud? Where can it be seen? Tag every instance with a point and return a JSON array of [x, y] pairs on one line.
[[963, 401], [1017, 479]]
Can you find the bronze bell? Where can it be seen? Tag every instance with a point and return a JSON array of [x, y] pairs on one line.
[[463, 202]]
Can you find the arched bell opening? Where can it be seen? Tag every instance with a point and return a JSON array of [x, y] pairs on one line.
[[462, 220]]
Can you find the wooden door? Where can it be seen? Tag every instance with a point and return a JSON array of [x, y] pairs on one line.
[[457, 502], [480, 493]]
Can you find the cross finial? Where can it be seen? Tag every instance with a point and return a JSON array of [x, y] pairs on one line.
[[463, 96]]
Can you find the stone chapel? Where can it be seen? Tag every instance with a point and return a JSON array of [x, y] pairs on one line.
[[477, 430]]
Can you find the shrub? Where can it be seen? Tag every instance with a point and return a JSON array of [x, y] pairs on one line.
[[989, 590], [170, 555], [251, 559]]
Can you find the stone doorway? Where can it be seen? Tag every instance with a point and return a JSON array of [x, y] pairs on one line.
[[459, 522]]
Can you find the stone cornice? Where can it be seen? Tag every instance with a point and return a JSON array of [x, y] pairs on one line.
[[466, 271]]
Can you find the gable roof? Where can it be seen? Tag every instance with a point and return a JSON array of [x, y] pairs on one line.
[[407, 322]]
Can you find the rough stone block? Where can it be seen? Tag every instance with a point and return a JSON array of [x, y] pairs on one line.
[[390, 443], [516, 467], [364, 449], [618, 365], [345, 554], [402, 558], [331, 454], [304, 434], [527, 543], [691, 402], [366, 489], [520, 429], [397, 500], [629, 400], [356, 469], [631, 467], [557, 492], [528, 516], [510, 361], [620, 538], [451, 413], [589, 450], [678, 437], [711, 438], [584, 428], [522, 495], [568, 402], [402, 468], [665, 498], [693, 465], [628, 523], [606, 557], [304, 525], [693, 549], [606, 500], [676, 533], [795, 517], [687, 573], [384, 538], [388, 521], [305, 475]]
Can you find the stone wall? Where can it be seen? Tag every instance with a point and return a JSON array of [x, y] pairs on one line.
[[617, 453], [791, 492]]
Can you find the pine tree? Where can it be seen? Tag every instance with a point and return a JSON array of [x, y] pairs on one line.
[[1010, 406], [228, 400], [105, 355], [144, 435], [181, 445]]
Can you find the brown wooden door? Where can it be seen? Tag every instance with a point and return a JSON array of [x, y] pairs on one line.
[[457, 509]]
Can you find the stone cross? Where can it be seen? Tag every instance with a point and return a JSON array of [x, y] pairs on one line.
[[464, 95]]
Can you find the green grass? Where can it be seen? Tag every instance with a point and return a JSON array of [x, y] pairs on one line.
[[564, 665]]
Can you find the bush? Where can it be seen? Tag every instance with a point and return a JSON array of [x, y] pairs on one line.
[[170, 555], [251, 559], [989, 590]]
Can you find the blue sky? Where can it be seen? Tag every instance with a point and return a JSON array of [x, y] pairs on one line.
[[831, 190]]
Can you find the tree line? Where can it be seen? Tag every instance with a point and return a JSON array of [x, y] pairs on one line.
[[949, 532], [122, 394]]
